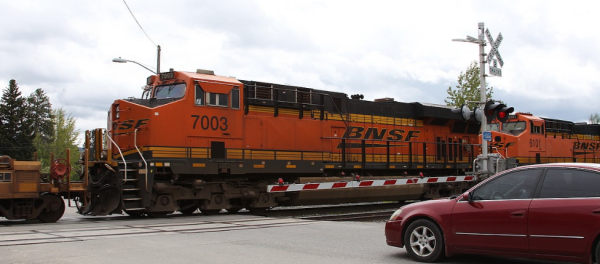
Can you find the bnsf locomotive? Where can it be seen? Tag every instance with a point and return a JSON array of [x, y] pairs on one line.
[[195, 140]]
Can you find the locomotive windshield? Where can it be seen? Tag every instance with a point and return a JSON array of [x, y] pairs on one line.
[[174, 91], [493, 127], [514, 127]]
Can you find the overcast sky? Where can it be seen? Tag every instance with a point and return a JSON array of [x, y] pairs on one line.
[[399, 49]]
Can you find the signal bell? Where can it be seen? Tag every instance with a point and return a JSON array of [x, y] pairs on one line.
[[464, 111]]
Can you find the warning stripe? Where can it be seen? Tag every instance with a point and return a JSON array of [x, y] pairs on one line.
[[364, 184]]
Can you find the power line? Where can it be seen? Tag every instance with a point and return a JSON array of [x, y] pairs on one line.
[[136, 21]]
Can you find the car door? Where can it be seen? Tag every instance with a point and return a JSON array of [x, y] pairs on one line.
[[496, 217], [566, 216]]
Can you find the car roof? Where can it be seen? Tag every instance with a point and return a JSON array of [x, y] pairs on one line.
[[592, 166]]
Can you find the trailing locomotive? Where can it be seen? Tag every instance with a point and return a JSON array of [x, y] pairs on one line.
[[197, 140], [533, 140]]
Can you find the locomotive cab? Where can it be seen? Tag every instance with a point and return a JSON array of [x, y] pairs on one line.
[[521, 136]]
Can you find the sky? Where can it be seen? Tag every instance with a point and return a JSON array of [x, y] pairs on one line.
[[399, 49]]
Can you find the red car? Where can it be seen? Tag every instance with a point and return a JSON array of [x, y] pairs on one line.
[[547, 211]]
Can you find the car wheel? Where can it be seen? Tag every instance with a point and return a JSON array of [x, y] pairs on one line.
[[424, 241]]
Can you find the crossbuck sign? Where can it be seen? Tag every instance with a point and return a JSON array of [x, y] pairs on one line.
[[494, 70]]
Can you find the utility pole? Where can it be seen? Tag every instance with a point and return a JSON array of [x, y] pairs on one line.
[[158, 61]]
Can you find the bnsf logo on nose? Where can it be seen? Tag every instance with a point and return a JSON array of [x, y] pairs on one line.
[[127, 124], [375, 133]]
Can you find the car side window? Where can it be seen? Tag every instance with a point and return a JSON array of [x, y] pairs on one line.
[[570, 183], [513, 185]]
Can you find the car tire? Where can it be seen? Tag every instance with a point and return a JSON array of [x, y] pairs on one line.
[[424, 241]]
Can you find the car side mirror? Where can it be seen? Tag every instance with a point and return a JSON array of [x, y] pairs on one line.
[[469, 197]]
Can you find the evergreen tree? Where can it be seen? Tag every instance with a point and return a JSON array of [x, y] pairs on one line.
[[16, 129], [40, 110], [467, 89]]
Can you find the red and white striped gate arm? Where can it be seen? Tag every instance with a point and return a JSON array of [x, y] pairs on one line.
[[365, 183]]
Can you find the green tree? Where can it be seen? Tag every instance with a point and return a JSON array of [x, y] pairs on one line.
[[65, 137], [16, 129], [40, 110], [467, 89], [595, 118]]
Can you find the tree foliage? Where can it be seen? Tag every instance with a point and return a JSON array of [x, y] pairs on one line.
[[40, 110], [467, 89], [16, 127], [595, 118], [64, 137]]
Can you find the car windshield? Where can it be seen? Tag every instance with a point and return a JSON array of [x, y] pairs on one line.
[[169, 91], [514, 128]]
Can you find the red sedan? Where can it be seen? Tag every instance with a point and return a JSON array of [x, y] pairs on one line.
[[547, 211]]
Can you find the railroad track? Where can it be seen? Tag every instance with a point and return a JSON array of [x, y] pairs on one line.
[[308, 211], [359, 217]]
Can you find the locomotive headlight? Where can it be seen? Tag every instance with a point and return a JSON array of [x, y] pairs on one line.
[[117, 112], [396, 214]]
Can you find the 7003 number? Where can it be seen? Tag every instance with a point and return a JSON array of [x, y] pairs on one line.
[[212, 122]]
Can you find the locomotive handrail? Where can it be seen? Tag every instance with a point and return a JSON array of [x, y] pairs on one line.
[[142, 156], [120, 152]]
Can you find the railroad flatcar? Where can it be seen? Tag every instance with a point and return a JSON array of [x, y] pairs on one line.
[[27, 194], [197, 140]]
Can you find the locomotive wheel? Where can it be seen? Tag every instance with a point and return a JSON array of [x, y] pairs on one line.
[[211, 211], [54, 210], [157, 214]]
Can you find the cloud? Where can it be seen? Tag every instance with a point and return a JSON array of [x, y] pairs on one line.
[[380, 49]]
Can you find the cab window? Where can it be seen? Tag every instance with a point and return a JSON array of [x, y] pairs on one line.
[[217, 99], [5, 177], [514, 128], [174, 91], [493, 127], [199, 95], [235, 98]]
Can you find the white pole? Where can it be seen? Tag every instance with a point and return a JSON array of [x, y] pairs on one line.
[[484, 146]]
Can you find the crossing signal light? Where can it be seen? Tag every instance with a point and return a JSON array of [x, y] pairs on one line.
[[497, 111]]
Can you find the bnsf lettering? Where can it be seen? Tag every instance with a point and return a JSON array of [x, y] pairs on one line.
[[127, 124], [375, 133], [213, 122], [586, 146]]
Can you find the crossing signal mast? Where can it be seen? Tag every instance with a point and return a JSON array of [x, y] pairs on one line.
[[488, 110]]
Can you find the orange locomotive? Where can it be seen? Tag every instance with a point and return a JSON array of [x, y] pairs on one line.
[[532, 140], [196, 140]]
